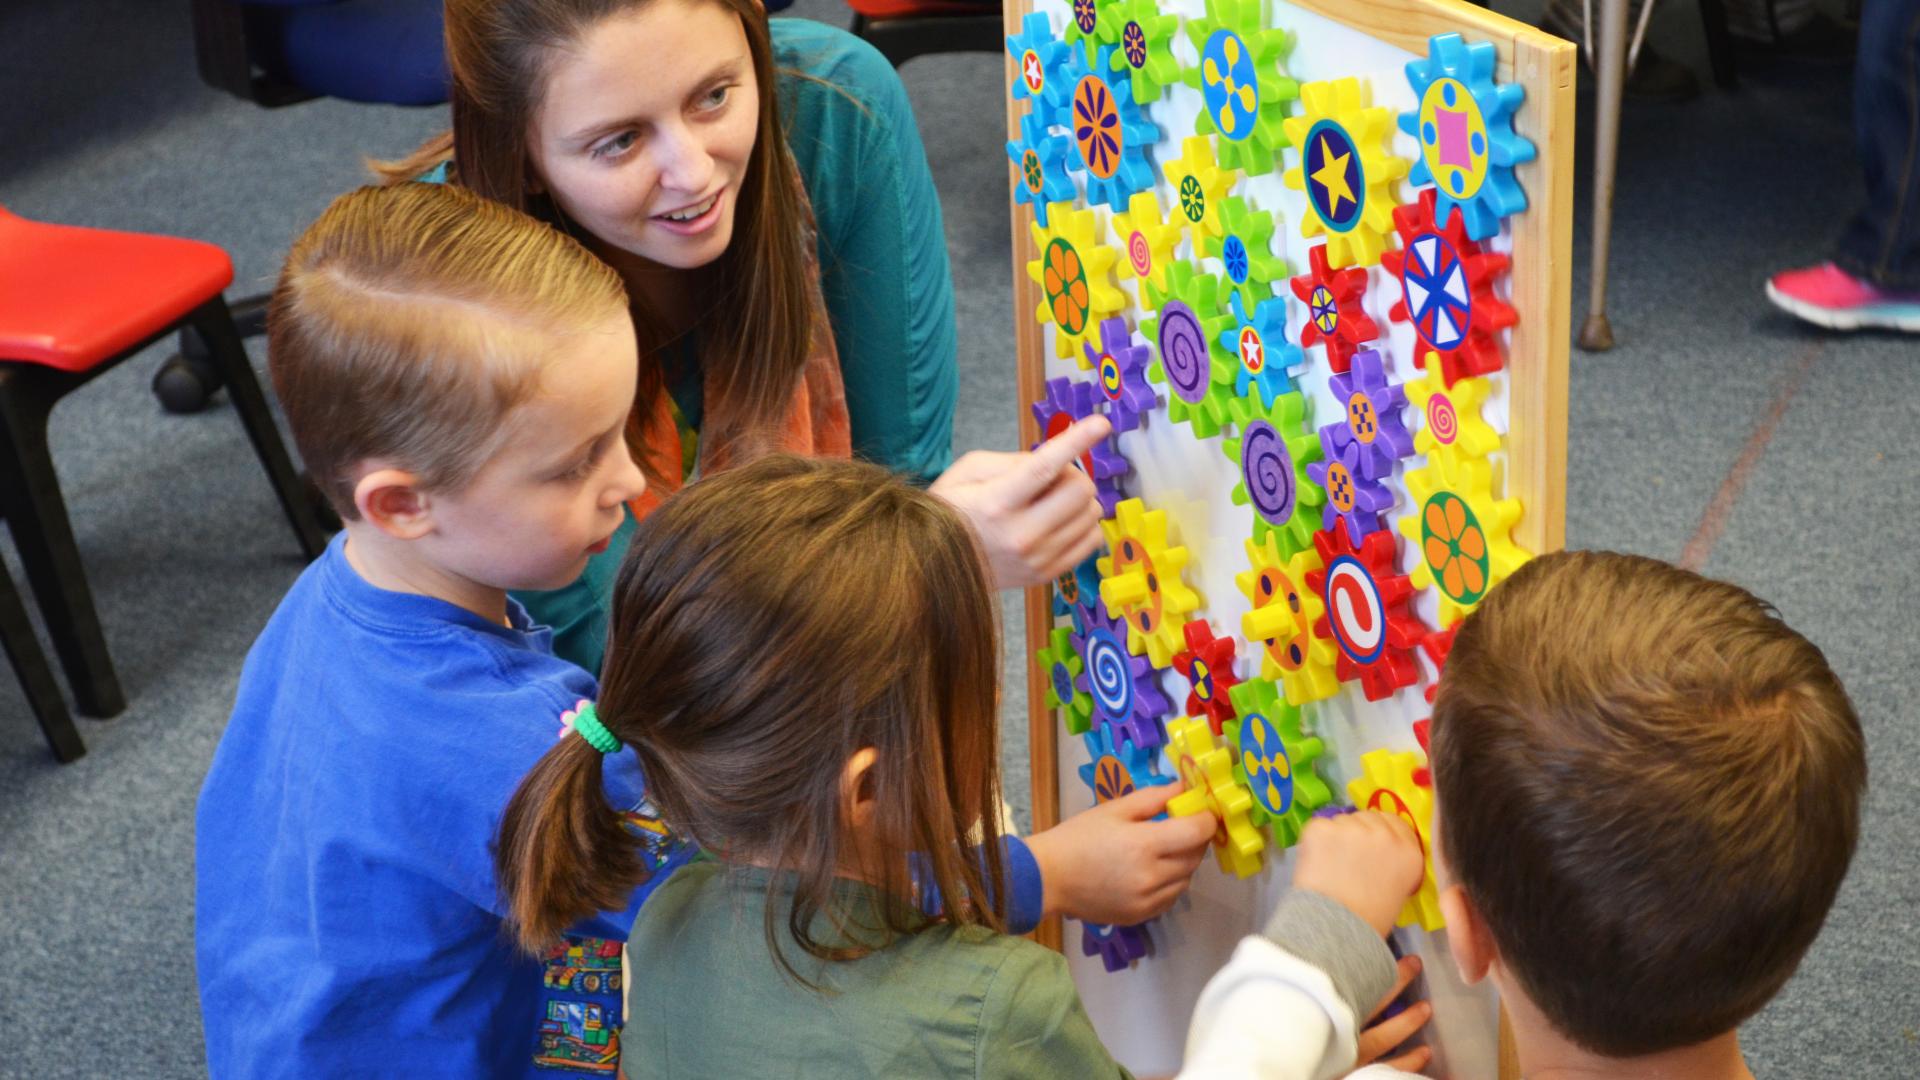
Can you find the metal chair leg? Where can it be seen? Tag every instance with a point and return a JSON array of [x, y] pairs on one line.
[[36, 678], [31, 502], [230, 357]]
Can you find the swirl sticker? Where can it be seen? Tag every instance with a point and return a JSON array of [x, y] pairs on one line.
[[1109, 677], [1268, 470], [1111, 381], [1183, 352], [1140, 254], [1442, 421], [1354, 610]]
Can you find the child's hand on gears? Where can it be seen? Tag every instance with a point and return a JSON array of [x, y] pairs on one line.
[[1382, 1035], [1368, 861], [1035, 512], [1114, 864]]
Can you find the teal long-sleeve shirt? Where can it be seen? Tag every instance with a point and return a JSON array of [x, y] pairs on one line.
[[883, 270]]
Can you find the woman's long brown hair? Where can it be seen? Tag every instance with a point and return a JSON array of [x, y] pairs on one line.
[[499, 52], [768, 624]]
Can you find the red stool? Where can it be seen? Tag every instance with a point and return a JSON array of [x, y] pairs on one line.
[[73, 303], [904, 29]]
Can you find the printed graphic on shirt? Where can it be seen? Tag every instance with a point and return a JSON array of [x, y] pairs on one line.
[[658, 846], [580, 1032]]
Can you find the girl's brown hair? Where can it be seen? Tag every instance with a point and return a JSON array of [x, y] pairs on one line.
[[768, 624], [500, 53]]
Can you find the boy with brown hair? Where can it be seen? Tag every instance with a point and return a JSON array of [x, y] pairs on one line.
[[1646, 794]]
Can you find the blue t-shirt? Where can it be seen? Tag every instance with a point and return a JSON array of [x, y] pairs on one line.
[[347, 917]]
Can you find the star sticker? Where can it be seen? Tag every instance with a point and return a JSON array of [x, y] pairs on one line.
[[1451, 125], [1333, 176], [1251, 350], [1031, 71]]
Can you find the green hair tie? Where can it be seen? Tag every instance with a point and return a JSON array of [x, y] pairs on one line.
[[586, 721]]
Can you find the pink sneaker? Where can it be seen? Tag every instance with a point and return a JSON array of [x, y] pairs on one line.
[[1829, 296]]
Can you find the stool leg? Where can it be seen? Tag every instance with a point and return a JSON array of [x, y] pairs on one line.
[[230, 357], [36, 679], [34, 508]]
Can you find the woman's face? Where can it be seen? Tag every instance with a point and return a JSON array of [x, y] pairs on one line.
[[643, 134]]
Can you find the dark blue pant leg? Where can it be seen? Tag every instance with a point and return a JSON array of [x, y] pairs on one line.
[[1882, 242]]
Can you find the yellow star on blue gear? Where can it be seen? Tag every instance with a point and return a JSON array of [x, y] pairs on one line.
[[1386, 784], [1075, 275], [1206, 770], [1141, 582], [1272, 450], [1243, 92], [1345, 169], [1188, 358], [1462, 535], [1275, 761], [1280, 622], [1464, 125]]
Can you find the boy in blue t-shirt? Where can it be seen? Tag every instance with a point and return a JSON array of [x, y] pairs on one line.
[[458, 378]]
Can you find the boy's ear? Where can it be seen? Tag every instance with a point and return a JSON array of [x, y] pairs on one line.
[[1474, 952], [391, 500], [856, 788]]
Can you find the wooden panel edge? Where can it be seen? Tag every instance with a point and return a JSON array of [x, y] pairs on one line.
[[1029, 377], [1407, 24]]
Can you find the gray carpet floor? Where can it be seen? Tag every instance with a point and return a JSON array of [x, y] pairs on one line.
[[104, 124]]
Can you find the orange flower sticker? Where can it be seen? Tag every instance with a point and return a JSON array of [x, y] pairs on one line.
[[1455, 548], [1065, 283]]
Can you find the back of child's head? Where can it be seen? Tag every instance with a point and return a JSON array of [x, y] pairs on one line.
[[410, 320], [1649, 788], [768, 624]]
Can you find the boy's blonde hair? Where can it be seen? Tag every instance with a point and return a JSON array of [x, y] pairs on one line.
[[409, 320], [1650, 788]]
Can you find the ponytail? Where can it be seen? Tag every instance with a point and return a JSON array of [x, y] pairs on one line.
[[430, 155], [562, 854]]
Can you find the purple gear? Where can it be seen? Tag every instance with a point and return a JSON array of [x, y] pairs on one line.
[[1372, 420], [1120, 375], [1067, 401], [1126, 696], [1351, 498], [1116, 946]]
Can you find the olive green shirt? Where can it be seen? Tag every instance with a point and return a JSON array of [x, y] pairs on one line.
[[707, 999]]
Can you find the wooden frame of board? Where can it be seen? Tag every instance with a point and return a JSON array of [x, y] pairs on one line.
[[1542, 250]]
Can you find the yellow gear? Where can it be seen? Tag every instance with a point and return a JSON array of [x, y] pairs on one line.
[[1386, 784], [1206, 768], [1451, 424], [1462, 534], [1198, 207], [1336, 124], [1281, 622], [1146, 241], [1140, 581], [1074, 272]]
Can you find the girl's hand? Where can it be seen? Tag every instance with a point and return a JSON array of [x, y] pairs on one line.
[[1380, 1036], [1034, 512], [1114, 864]]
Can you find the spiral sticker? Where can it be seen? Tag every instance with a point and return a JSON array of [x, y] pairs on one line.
[[1140, 254], [1110, 676], [1354, 610], [1111, 382], [1183, 352], [1267, 469], [1442, 421]]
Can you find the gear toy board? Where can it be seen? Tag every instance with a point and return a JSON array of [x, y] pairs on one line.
[[1312, 257]]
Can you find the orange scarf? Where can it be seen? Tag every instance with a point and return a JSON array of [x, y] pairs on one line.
[[816, 423]]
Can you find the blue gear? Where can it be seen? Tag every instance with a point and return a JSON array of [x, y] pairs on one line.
[[1116, 946], [1486, 192], [1269, 348], [1126, 696], [1132, 172], [1049, 165], [1077, 589], [1138, 767], [1037, 36]]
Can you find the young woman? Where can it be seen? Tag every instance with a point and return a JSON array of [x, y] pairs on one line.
[[762, 190]]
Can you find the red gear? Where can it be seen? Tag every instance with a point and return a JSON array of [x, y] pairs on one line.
[[1478, 351], [1351, 326], [1217, 656], [1389, 664]]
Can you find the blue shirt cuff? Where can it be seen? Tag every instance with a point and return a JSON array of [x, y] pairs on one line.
[[1023, 883]]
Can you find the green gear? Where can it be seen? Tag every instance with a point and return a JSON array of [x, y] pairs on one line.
[[1077, 709], [1288, 417], [1255, 230], [1201, 292], [1159, 69], [1260, 698], [1101, 35], [1260, 150]]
